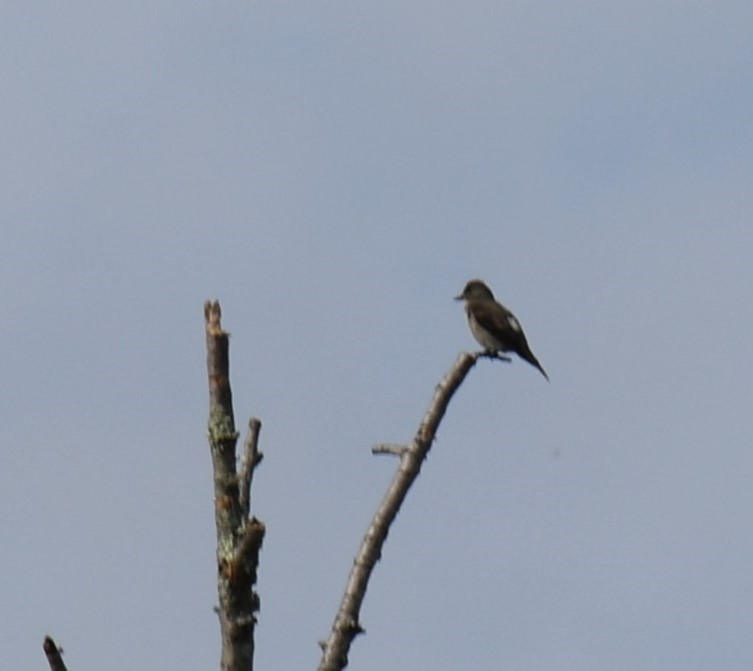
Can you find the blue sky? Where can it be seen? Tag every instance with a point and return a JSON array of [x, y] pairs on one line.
[[334, 173]]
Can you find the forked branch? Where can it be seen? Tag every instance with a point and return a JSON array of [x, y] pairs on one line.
[[239, 535]]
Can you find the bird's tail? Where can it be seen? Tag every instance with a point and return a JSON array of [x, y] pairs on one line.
[[530, 358]]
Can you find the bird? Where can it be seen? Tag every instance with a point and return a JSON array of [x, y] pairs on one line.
[[495, 328]]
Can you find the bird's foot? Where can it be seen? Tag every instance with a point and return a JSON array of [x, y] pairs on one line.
[[494, 354]]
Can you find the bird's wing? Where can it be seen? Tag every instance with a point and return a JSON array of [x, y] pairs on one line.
[[498, 320]]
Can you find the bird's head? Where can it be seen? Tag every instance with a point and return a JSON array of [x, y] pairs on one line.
[[475, 289]]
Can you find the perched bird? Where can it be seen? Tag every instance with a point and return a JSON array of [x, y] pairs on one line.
[[493, 325]]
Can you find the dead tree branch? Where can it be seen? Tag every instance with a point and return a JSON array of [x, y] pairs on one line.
[[346, 625], [239, 535], [251, 459]]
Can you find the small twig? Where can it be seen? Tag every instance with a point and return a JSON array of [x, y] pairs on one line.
[[390, 448], [251, 459], [54, 658]]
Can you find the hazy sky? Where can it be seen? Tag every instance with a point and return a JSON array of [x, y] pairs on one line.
[[334, 172]]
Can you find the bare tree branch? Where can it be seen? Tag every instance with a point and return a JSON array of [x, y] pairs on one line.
[[54, 658], [251, 459], [346, 625], [239, 537]]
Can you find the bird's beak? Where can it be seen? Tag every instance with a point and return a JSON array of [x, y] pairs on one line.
[[459, 298]]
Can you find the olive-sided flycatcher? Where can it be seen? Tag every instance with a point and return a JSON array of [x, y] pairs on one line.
[[493, 325]]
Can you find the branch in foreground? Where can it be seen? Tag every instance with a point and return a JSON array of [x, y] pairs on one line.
[[347, 626], [239, 536], [54, 658]]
